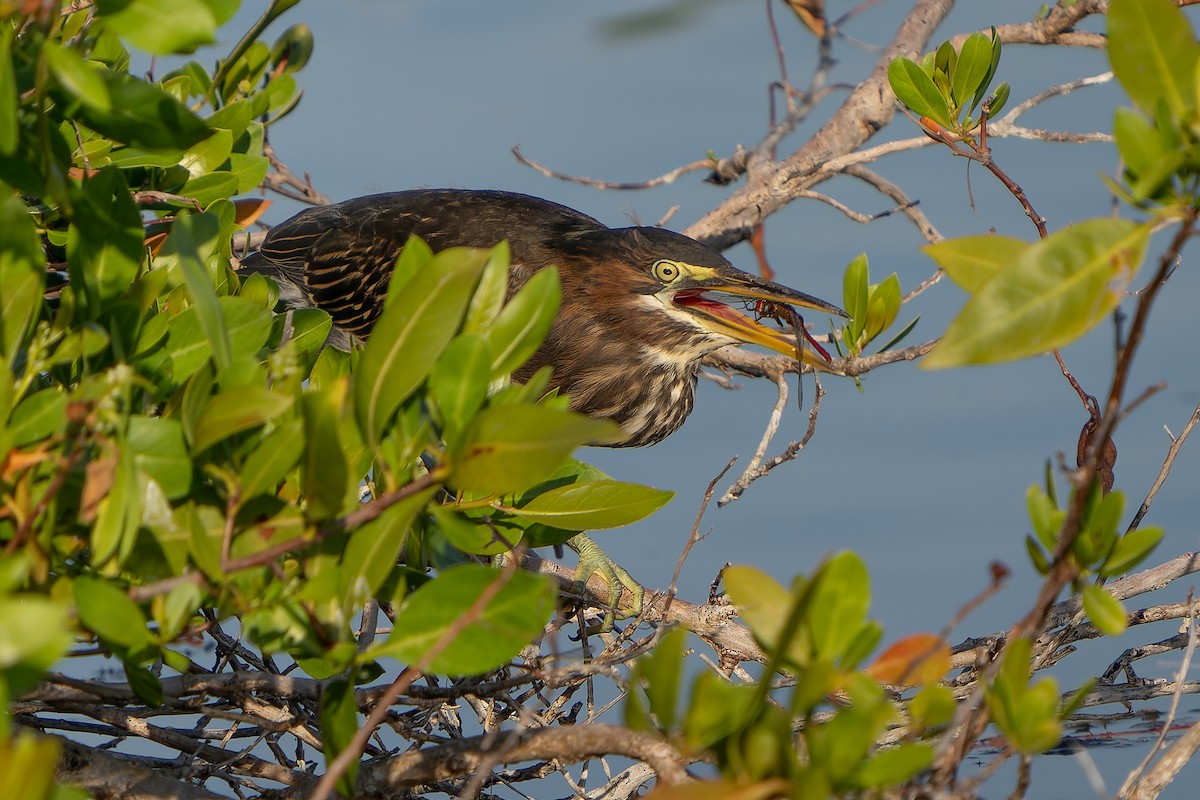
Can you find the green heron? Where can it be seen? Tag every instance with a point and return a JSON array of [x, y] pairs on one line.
[[636, 316], [641, 306]]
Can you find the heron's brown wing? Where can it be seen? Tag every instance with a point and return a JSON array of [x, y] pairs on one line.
[[343, 255]]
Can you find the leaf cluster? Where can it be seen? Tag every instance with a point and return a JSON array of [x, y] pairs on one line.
[[872, 307], [1098, 549], [176, 452], [819, 736], [946, 87]]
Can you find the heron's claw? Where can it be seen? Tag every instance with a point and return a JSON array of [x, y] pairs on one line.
[[593, 560]]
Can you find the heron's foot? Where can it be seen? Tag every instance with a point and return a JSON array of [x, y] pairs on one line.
[[594, 561]]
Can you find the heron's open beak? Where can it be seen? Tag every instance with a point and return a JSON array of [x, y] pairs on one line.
[[723, 318]]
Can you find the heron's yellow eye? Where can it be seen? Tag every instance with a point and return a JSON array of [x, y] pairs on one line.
[[667, 271]]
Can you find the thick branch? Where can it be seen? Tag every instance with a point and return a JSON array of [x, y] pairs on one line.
[[107, 776], [567, 744]]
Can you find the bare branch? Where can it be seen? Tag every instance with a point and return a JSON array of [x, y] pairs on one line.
[[1168, 462], [568, 744], [111, 776], [669, 177]]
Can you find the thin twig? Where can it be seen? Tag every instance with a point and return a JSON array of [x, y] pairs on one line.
[[695, 536], [669, 177], [1165, 469]]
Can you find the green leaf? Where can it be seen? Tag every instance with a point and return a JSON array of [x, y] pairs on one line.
[[509, 448], [945, 60], [716, 709], [459, 381], [207, 155], [1037, 556], [373, 549], [246, 327], [1037, 727], [999, 99], [1131, 549], [883, 307], [1100, 522], [105, 240], [119, 514], [523, 323], [915, 89], [80, 81], [662, 671], [1056, 291], [864, 642], [325, 475], [34, 633], [1156, 180], [974, 65], [160, 27], [895, 765], [110, 614], [1137, 140], [235, 117], [1043, 515], [249, 170], [143, 115], [486, 537], [972, 261], [21, 272], [840, 599], [85, 341], [490, 293], [9, 131], [38, 416], [209, 188], [195, 397], [268, 464], [144, 683], [842, 744], [411, 333], [339, 724], [764, 606], [310, 329], [572, 471], [179, 607], [1154, 52], [245, 68], [159, 451], [479, 639], [591, 505], [235, 410], [1104, 610], [933, 706], [293, 48], [855, 294], [192, 238], [413, 259]]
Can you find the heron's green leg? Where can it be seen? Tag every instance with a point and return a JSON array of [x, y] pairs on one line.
[[593, 560]]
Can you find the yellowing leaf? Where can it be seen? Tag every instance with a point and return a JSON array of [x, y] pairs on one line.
[[1056, 291], [972, 261]]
